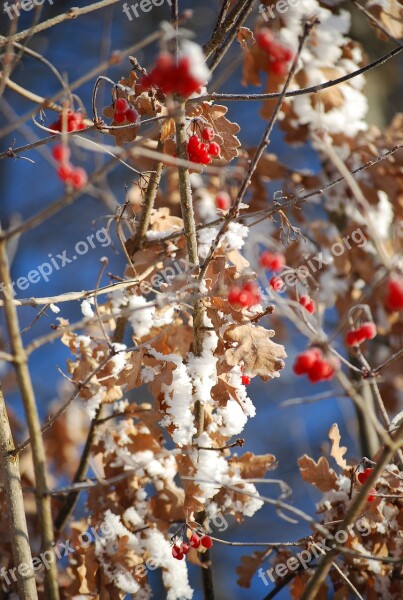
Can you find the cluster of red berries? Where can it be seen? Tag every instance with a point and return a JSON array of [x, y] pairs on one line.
[[223, 201], [394, 297], [203, 150], [245, 296], [278, 54], [362, 478], [171, 77], [195, 542], [272, 261], [74, 122], [355, 337], [276, 283], [124, 112], [313, 363], [75, 176], [307, 303]]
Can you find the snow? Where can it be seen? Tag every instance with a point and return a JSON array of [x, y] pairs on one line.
[[54, 308], [142, 317], [174, 574], [178, 397], [86, 308], [197, 62]]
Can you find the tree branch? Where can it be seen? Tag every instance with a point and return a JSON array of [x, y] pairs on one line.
[[10, 472], [31, 412]]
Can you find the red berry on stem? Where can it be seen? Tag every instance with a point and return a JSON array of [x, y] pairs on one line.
[[65, 172], [351, 338], [372, 495], [206, 541], [61, 153], [79, 177], [223, 201], [276, 283], [208, 134], [119, 117], [363, 476], [194, 540], [394, 297], [185, 548], [214, 149], [245, 380], [177, 552], [233, 296], [307, 303], [132, 115], [121, 105], [368, 330]]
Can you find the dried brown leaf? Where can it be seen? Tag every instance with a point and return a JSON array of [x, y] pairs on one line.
[[337, 451], [255, 349], [249, 566], [318, 474]]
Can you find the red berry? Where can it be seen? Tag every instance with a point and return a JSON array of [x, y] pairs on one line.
[[372, 495], [351, 338], [245, 380], [61, 153], [273, 262], [194, 540], [208, 134], [177, 552], [310, 307], [233, 296], [265, 39], [276, 283], [132, 115], [223, 201], [193, 143], [206, 541], [79, 178], [119, 117], [394, 297], [368, 330], [305, 361], [245, 298], [121, 106], [364, 475], [279, 67], [65, 172], [214, 149], [185, 548], [307, 303]]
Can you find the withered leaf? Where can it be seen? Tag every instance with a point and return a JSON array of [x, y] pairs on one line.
[[253, 466], [337, 451], [318, 474], [249, 566], [255, 349], [225, 130], [245, 37]]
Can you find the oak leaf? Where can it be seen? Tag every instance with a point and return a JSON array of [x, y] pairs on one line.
[[318, 474], [260, 356], [249, 566], [337, 451], [251, 466]]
